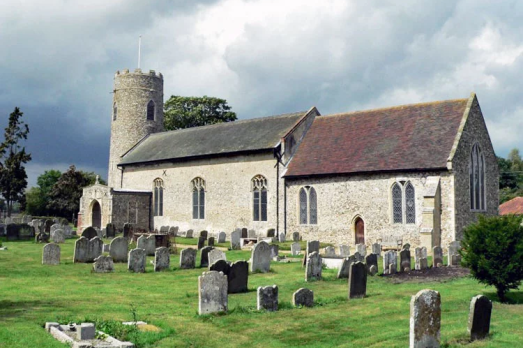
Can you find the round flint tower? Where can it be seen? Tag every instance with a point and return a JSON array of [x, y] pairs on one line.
[[137, 112]]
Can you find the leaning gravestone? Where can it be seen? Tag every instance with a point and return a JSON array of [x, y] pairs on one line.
[[110, 230], [81, 250], [267, 298], [405, 260], [89, 233], [51, 254], [204, 256], [201, 242], [376, 249], [344, 250], [454, 258], [57, 236], [119, 249], [137, 260], [212, 293], [312, 246], [358, 257], [188, 258], [103, 264], [235, 240], [238, 277], [479, 317], [313, 267], [390, 259], [370, 261], [362, 249], [357, 280], [343, 271], [275, 251], [329, 251], [261, 258], [437, 256], [295, 248], [296, 237], [220, 266], [162, 259], [425, 319], [210, 241], [215, 255], [222, 237], [420, 258], [303, 297]]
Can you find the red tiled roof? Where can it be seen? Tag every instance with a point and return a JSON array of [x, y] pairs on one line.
[[409, 137], [514, 206]]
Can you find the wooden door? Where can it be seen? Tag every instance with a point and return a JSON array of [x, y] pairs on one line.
[[359, 227]]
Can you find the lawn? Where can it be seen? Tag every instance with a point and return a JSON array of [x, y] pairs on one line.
[[31, 294]]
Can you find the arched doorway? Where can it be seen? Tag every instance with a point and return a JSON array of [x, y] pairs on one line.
[[96, 215], [359, 229]]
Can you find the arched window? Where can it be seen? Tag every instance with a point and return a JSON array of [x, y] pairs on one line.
[[403, 203], [308, 206], [150, 110], [259, 198], [158, 197], [477, 179], [115, 111], [198, 198]]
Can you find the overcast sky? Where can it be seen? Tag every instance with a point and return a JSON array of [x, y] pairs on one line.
[[57, 61]]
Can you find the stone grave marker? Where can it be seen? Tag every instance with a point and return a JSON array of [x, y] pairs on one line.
[[58, 236], [119, 249], [362, 249], [188, 258], [295, 248], [251, 234], [204, 256], [405, 265], [210, 241], [164, 229], [222, 237], [42, 237], [296, 237], [479, 317], [303, 297], [281, 237], [245, 234], [261, 258], [370, 261], [238, 277], [201, 242], [344, 250], [137, 258], [390, 262], [271, 232], [48, 223], [235, 240], [357, 280], [173, 231], [212, 293], [204, 234], [103, 264], [55, 227], [329, 251], [148, 243], [110, 230], [420, 258], [51, 254], [215, 255], [313, 245], [162, 259], [425, 319], [343, 271], [220, 266], [189, 234], [128, 230], [275, 251], [376, 249], [437, 256], [106, 247], [13, 232], [81, 250], [95, 246], [358, 257], [267, 298], [406, 246], [26, 232], [454, 258], [313, 267], [89, 233]]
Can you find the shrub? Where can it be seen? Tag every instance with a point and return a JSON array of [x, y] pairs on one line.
[[493, 250]]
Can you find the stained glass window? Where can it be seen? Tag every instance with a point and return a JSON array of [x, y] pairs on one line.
[[198, 198], [259, 198], [303, 206], [397, 204], [477, 179], [410, 204], [313, 216], [158, 197]]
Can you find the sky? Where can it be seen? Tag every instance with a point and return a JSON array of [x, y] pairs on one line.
[[265, 57]]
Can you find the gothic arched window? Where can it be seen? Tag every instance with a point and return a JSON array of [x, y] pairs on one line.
[[115, 111], [308, 206], [313, 212], [150, 110], [397, 203], [403, 203], [410, 204], [198, 198], [259, 198], [477, 179], [158, 197], [303, 206]]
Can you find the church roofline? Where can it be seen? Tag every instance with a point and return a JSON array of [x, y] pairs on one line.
[[333, 174], [464, 119]]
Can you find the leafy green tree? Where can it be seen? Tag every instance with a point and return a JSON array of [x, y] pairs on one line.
[[13, 178], [493, 250], [186, 112], [35, 203]]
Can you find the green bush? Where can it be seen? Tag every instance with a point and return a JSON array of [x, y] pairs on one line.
[[493, 250]]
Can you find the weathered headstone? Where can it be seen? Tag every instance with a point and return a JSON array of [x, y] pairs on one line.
[[13, 232], [42, 237], [295, 248], [58, 236], [362, 249], [245, 233], [406, 246], [376, 249], [281, 237], [189, 233], [119, 249], [212, 293], [275, 251], [204, 234], [357, 280], [81, 250], [188, 258], [201, 242], [454, 258], [128, 230], [420, 258], [51, 254], [110, 230], [222, 237], [252, 234], [89, 233], [390, 262], [344, 250], [220, 266], [313, 267], [48, 223], [235, 240], [329, 251], [437, 256], [479, 317], [215, 255], [371, 260], [296, 237], [204, 256], [312, 246], [425, 319], [96, 246], [137, 258], [358, 257], [343, 271], [148, 243], [103, 264], [173, 231], [405, 265], [261, 258], [210, 241], [55, 227], [303, 297], [162, 259], [267, 298], [238, 277]]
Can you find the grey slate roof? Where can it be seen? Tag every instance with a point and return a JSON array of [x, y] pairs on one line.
[[223, 138]]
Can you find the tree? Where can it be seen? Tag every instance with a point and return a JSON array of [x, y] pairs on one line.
[[13, 178], [186, 112], [493, 250]]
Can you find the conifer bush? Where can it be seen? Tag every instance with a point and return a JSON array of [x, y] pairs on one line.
[[492, 249]]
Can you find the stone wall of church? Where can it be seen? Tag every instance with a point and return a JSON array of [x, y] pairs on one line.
[[228, 191], [132, 207], [95, 193], [341, 199]]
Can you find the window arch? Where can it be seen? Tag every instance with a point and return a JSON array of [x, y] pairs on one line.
[[198, 198], [150, 110], [477, 179], [115, 111], [308, 206], [403, 203], [303, 206], [259, 198], [158, 197]]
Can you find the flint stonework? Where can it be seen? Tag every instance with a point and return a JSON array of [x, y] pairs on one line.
[[188, 258], [313, 267], [479, 317], [303, 297], [137, 258], [212, 293], [162, 259], [261, 258], [425, 319], [119, 249], [267, 298], [51, 254]]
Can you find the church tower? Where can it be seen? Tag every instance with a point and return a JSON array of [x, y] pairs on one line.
[[137, 112]]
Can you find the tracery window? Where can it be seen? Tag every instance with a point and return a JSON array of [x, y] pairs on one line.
[[397, 203], [158, 197], [308, 206], [477, 179], [403, 203], [259, 197], [198, 198], [150, 110], [115, 111]]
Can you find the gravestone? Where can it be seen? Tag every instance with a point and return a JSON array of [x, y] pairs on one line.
[[344, 250], [220, 266], [251, 234], [26, 232], [362, 249], [119, 249], [376, 249], [89, 233], [296, 237], [55, 227], [81, 250], [406, 246], [390, 262], [204, 234], [281, 237], [275, 251], [271, 232], [454, 258], [42, 238], [238, 277], [136, 261], [103, 264], [405, 265], [173, 231], [437, 256], [420, 258], [479, 317], [303, 297], [95, 248], [267, 298], [51, 254], [48, 223], [371, 260], [148, 243], [128, 230], [188, 258], [358, 257], [13, 232], [164, 229], [110, 230], [204, 256], [189, 234], [201, 242], [212, 293], [343, 271], [162, 259], [261, 258], [425, 319], [329, 251], [235, 240], [357, 280], [210, 241], [58, 236], [312, 246], [245, 234], [215, 255], [222, 237], [313, 267], [295, 248], [105, 248]]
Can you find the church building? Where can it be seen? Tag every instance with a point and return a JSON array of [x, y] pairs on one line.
[[415, 173]]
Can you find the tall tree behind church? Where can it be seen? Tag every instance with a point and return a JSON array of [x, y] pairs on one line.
[[13, 178], [186, 112]]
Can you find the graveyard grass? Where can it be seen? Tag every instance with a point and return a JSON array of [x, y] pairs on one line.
[[31, 294]]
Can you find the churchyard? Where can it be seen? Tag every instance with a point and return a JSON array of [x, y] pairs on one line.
[[32, 294]]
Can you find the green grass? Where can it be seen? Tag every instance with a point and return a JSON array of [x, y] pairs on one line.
[[31, 294]]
